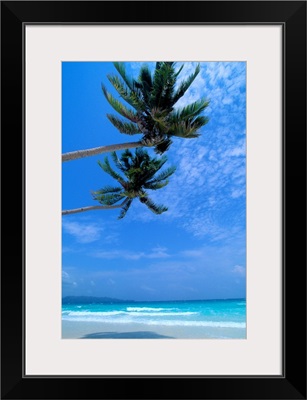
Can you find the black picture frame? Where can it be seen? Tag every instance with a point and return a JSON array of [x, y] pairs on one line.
[[292, 383]]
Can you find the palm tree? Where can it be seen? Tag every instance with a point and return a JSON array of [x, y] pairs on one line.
[[151, 99], [139, 172]]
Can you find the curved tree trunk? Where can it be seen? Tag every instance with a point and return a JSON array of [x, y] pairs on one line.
[[89, 208], [74, 155]]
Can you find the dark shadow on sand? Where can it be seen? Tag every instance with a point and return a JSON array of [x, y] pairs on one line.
[[125, 335]]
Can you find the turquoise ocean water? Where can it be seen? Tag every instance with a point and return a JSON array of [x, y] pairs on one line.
[[215, 318]]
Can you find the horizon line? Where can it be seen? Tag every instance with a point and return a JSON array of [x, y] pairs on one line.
[[153, 301]]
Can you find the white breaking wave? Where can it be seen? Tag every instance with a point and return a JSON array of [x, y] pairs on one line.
[[135, 314], [158, 314], [208, 324], [126, 319], [98, 313], [149, 309]]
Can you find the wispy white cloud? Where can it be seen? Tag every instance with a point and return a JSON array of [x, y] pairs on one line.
[[83, 232], [239, 270], [206, 194], [65, 276], [156, 252], [193, 253], [121, 254], [195, 271], [68, 280]]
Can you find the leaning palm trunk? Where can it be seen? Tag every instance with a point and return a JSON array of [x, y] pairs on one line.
[[74, 155], [89, 208]]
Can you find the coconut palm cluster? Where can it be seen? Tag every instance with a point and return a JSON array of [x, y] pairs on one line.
[[138, 175], [147, 107]]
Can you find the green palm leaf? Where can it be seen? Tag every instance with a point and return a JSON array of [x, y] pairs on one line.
[[159, 162], [129, 96], [107, 168], [144, 83], [120, 67], [119, 164], [163, 146], [199, 121], [155, 208], [188, 128], [179, 70], [163, 85], [125, 208], [108, 189], [190, 110], [107, 199], [163, 175], [155, 186], [185, 85], [119, 107], [126, 158], [155, 164], [160, 118], [129, 128]]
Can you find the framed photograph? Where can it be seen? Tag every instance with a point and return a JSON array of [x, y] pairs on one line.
[[161, 226]]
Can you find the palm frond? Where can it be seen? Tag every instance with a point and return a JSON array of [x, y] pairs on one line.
[[118, 162], [163, 146], [120, 67], [155, 186], [188, 128], [107, 199], [190, 110], [163, 175], [160, 118], [155, 208], [166, 101], [141, 154], [145, 83], [108, 189], [119, 107], [159, 162], [129, 96], [152, 165], [129, 128], [107, 168], [185, 85], [125, 208], [199, 122], [184, 130], [158, 65], [179, 70], [126, 158], [163, 85]]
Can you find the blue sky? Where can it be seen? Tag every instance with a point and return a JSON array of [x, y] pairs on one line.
[[195, 250]]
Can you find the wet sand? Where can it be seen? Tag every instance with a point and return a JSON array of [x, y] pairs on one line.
[[102, 330]]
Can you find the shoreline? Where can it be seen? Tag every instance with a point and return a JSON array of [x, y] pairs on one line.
[[111, 330]]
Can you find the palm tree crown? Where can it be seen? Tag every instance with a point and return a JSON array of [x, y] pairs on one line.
[[139, 172], [151, 98]]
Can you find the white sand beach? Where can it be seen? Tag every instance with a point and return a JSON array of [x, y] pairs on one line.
[[103, 330]]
